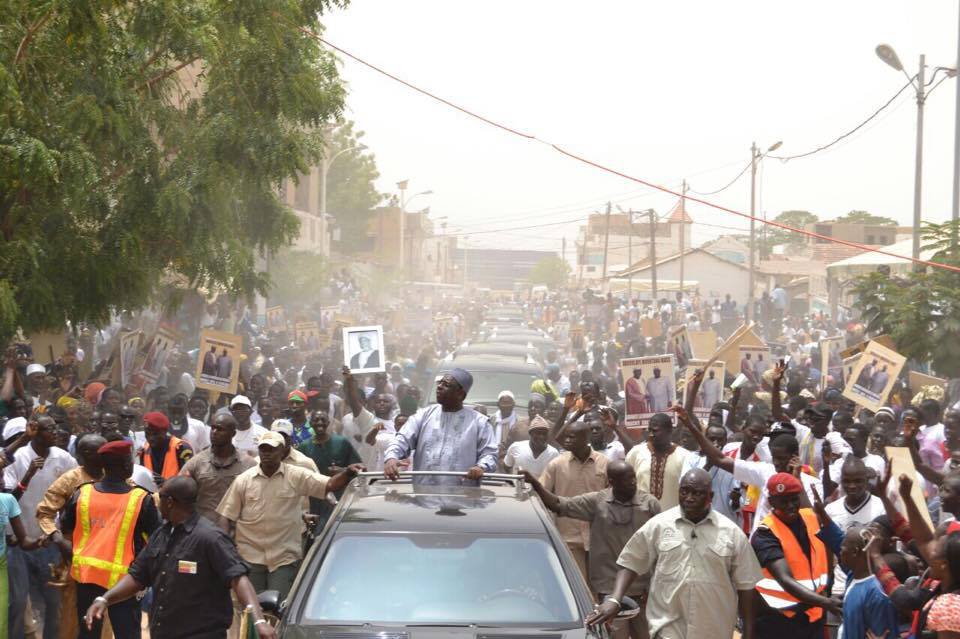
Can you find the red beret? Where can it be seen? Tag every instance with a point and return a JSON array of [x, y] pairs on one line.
[[120, 448], [783, 484], [156, 420]]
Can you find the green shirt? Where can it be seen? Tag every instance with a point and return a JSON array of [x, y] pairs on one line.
[[336, 451]]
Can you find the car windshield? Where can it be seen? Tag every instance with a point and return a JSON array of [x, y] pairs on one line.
[[441, 579], [487, 386]]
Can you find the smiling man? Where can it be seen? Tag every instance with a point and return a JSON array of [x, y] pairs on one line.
[[447, 436]]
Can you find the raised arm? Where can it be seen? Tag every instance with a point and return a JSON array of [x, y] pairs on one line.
[[779, 370], [569, 401], [713, 454], [731, 423], [10, 373], [350, 390], [612, 421], [922, 534], [691, 394]]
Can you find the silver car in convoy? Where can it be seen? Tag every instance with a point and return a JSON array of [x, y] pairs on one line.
[[410, 559]]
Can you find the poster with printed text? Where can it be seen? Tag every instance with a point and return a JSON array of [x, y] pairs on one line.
[[129, 346], [218, 363], [754, 362], [711, 389], [276, 319], [650, 387], [308, 336], [831, 361], [680, 345], [874, 376], [155, 358]]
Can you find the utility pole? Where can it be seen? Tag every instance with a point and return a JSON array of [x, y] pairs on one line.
[[606, 245], [629, 255], [563, 249], [683, 228], [955, 216], [918, 167], [653, 255], [753, 230]]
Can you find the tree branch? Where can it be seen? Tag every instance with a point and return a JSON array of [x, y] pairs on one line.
[[31, 31], [166, 74]]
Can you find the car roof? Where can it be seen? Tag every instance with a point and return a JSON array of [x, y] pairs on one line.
[[385, 506], [494, 348], [495, 363]]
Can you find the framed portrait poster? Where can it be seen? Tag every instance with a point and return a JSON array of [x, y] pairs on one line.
[[363, 349]]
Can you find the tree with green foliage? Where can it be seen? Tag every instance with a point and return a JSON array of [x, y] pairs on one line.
[[772, 236], [142, 139], [921, 310], [863, 217], [552, 271], [351, 191]]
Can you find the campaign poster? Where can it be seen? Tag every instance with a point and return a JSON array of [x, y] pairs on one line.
[[703, 344], [711, 389], [754, 362], [919, 380], [155, 359], [883, 340], [218, 364], [307, 336], [831, 362], [327, 316], [129, 347], [48, 347], [651, 327], [849, 364], [363, 349], [561, 333], [874, 376], [576, 337], [649, 387], [680, 344], [276, 319]]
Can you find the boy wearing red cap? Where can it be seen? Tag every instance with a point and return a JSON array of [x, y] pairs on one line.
[[789, 543], [163, 455]]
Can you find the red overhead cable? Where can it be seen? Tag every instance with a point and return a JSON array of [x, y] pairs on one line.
[[557, 148]]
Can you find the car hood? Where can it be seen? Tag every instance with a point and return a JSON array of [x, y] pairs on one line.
[[431, 632]]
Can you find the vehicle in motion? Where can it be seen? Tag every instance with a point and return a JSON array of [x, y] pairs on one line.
[[413, 559], [498, 349]]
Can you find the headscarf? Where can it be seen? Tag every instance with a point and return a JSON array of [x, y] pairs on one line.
[[93, 392]]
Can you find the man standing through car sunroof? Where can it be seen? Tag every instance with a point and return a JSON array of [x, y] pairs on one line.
[[446, 436]]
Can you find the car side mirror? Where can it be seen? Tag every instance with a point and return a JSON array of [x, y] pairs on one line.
[[270, 601]]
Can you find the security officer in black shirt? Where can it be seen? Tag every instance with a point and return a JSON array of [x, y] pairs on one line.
[[191, 565]]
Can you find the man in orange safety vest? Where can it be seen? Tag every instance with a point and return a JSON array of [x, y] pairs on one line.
[[163, 455], [795, 565], [108, 523]]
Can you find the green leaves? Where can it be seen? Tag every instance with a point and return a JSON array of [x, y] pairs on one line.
[[140, 139], [920, 311], [552, 271]]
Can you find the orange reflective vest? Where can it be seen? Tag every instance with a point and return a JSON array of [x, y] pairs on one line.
[[171, 468], [103, 536], [812, 572]]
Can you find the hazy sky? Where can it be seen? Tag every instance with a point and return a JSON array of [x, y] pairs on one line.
[[659, 90]]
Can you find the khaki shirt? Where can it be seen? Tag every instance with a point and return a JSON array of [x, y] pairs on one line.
[[214, 477], [612, 524], [267, 511], [567, 476], [57, 496], [697, 571]]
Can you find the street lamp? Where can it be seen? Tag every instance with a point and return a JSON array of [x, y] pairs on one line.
[[755, 156], [402, 186], [886, 53]]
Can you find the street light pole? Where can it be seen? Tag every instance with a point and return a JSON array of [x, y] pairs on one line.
[[886, 53], [753, 230]]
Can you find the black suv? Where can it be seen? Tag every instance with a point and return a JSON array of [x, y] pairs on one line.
[[422, 558]]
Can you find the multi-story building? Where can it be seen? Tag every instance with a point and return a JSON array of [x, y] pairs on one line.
[[628, 244]]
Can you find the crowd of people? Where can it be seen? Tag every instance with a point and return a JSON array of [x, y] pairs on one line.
[[779, 517]]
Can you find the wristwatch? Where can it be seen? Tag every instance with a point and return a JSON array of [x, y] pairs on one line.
[[614, 600]]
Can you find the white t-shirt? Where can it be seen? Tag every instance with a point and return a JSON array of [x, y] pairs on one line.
[[615, 451], [757, 474], [143, 478], [246, 441], [58, 462], [197, 435], [520, 457], [870, 461], [870, 509]]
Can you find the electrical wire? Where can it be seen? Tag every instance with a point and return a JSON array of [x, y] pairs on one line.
[[612, 171], [724, 187], [837, 140]]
